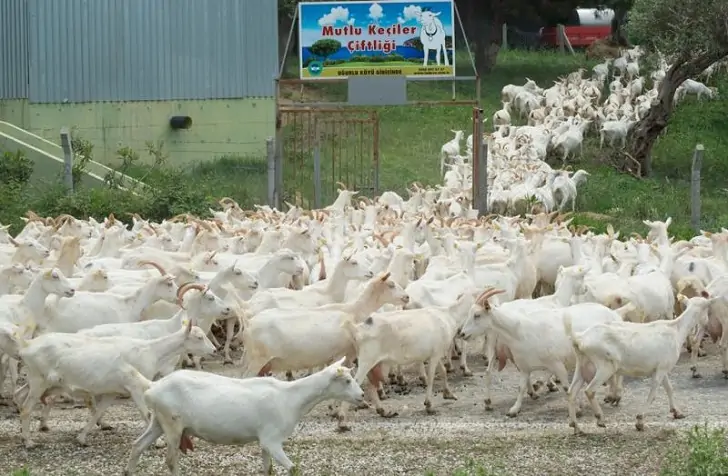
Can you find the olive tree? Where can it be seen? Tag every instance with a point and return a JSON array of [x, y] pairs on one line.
[[692, 34]]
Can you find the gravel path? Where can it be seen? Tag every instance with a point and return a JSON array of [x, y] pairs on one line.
[[461, 439]]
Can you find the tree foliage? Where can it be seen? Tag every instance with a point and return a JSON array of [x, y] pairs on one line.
[[692, 35], [684, 29], [325, 47]]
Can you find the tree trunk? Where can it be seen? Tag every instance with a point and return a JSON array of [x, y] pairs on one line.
[[487, 44], [648, 129], [482, 21]]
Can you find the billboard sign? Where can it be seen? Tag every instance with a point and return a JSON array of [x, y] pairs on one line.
[[342, 39]]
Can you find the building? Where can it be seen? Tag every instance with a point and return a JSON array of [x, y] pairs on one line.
[[118, 70]]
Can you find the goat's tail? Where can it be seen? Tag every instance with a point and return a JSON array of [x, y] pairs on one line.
[[568, 328]]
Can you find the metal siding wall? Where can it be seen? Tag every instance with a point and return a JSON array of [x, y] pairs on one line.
[[13, 49], [127, 50]]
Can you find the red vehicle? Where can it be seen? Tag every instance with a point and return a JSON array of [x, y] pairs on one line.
[[583, 27]]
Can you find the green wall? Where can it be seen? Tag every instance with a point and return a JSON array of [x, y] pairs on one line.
[[219, 127]]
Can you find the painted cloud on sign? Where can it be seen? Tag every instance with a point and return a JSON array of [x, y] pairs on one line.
[[337, 14], [376, 12], [411, 12]]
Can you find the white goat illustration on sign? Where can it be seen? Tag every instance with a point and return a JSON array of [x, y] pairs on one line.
[[432, 36]]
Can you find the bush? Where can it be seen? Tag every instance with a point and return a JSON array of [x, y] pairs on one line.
[[701, 453], [15, 168], [171, 190]]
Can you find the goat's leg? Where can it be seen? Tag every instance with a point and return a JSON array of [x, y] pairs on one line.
[[141, 444], [603, 373], [213, 339], [723, 346], [431, 367], [275, 450], [36, 388], [577, 382], [694, 350], [667, 385], [229, 329], [102, 404], [464, 360], [656, 381], [446, 392], [525, 384]]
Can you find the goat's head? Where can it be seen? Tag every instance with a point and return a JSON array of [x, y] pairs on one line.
[[477, 322], [204, 304], [54, 282], [29, 249], [241, 279], [427, 17]]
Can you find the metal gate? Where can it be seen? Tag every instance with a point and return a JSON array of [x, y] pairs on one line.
[[321, 147]]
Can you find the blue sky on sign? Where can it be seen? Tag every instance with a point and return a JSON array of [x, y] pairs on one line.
[[315, 16]]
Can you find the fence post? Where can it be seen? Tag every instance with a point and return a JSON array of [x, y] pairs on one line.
[[67, 159], [270, 150], [317, 174], [480, 164], [504, 37], [695, 187], [278, 196], [560, 37]]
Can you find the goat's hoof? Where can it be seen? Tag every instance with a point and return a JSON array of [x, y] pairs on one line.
[[448, 395], [227, 362], [608, 399], [600, 423], [533, 395], [428, 408], [81, 440], [615, 401], [449, 369], [343, 427], [676, 414], [30, 444], [579, 413], [105, 426], [160, 443], [386, 414], [381, 394], [467, 372], [363, 406], [512, 414], [44, 428], [702, 353]]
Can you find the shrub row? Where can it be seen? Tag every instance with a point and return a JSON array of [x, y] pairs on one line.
[[172, 190]]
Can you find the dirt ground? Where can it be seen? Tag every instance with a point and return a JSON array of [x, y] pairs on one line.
[[462, 438]]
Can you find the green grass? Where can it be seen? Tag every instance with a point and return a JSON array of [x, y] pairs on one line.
[[411, 136]]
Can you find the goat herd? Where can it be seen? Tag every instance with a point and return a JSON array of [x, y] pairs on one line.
[[96, 310]]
